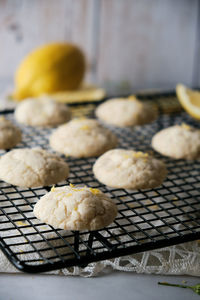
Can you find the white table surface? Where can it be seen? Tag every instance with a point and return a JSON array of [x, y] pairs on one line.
[[115, 285]]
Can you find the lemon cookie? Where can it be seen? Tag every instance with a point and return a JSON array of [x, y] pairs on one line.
[[82, 138], [42, 112], [129, 169], [124, 112], [10, 135], [32, 167], [76, 208], [178, 141]]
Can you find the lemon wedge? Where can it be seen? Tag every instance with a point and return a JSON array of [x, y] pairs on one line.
[[189, 99]]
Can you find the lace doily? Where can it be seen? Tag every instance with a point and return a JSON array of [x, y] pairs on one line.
[[175, 260]]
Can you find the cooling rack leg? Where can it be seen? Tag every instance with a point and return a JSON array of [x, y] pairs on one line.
[[76, 241], [90, 242]]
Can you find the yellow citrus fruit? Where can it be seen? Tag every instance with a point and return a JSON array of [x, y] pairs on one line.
[[189, 99], [48, 69]]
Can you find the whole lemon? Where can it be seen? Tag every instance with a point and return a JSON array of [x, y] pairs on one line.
[[48, 69]]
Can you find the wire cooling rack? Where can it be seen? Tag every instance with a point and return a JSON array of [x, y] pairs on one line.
[[146, 220]]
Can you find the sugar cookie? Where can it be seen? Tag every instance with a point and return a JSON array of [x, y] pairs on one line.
[[178, 141], [124, 112], [32, 167], [10, 135], [42, 112], [82, 138], [129, 169], [76, 208]]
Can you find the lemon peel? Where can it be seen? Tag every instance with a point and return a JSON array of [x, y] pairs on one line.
[[186, 126], [189, 100], [85, 127], [95, 191], [49, 69]]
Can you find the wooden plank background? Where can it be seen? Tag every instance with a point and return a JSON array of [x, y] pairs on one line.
[[129, 44]]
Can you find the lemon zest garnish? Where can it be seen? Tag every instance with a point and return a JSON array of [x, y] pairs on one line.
[[53, 188], [20, 223], [95, 191], [126, 156], [63, 194], [76, 189], [75, 208], [132, 97], [140, 154], [186, 126], [85, 127], [79, 119]]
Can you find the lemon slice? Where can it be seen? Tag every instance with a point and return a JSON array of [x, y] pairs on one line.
[[189, 99], [85, 94]]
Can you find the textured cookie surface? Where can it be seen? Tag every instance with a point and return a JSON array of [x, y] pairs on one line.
[[32, 167], [42, 112], [10, 135], [82, 138], [179, 141], [129, 169], [124, 112], [76, 208]]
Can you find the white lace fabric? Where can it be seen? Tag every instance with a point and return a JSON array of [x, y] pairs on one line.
[[183, 259]]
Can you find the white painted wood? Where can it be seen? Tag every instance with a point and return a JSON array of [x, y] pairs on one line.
[[26, 24], [148, 43], [128, 43]]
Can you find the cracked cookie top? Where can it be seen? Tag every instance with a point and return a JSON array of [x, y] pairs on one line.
[[42, 112], [32, 167], [82, 138], [129, 169], [76, 208]]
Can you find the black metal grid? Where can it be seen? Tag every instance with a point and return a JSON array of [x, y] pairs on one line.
[[146, 220]]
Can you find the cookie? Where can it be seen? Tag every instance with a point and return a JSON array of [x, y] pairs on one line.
[[32, 167], [43, 112], [178, 141], [125, 112], [82, 138], [76, 208], [129, 169], [10, 135]]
